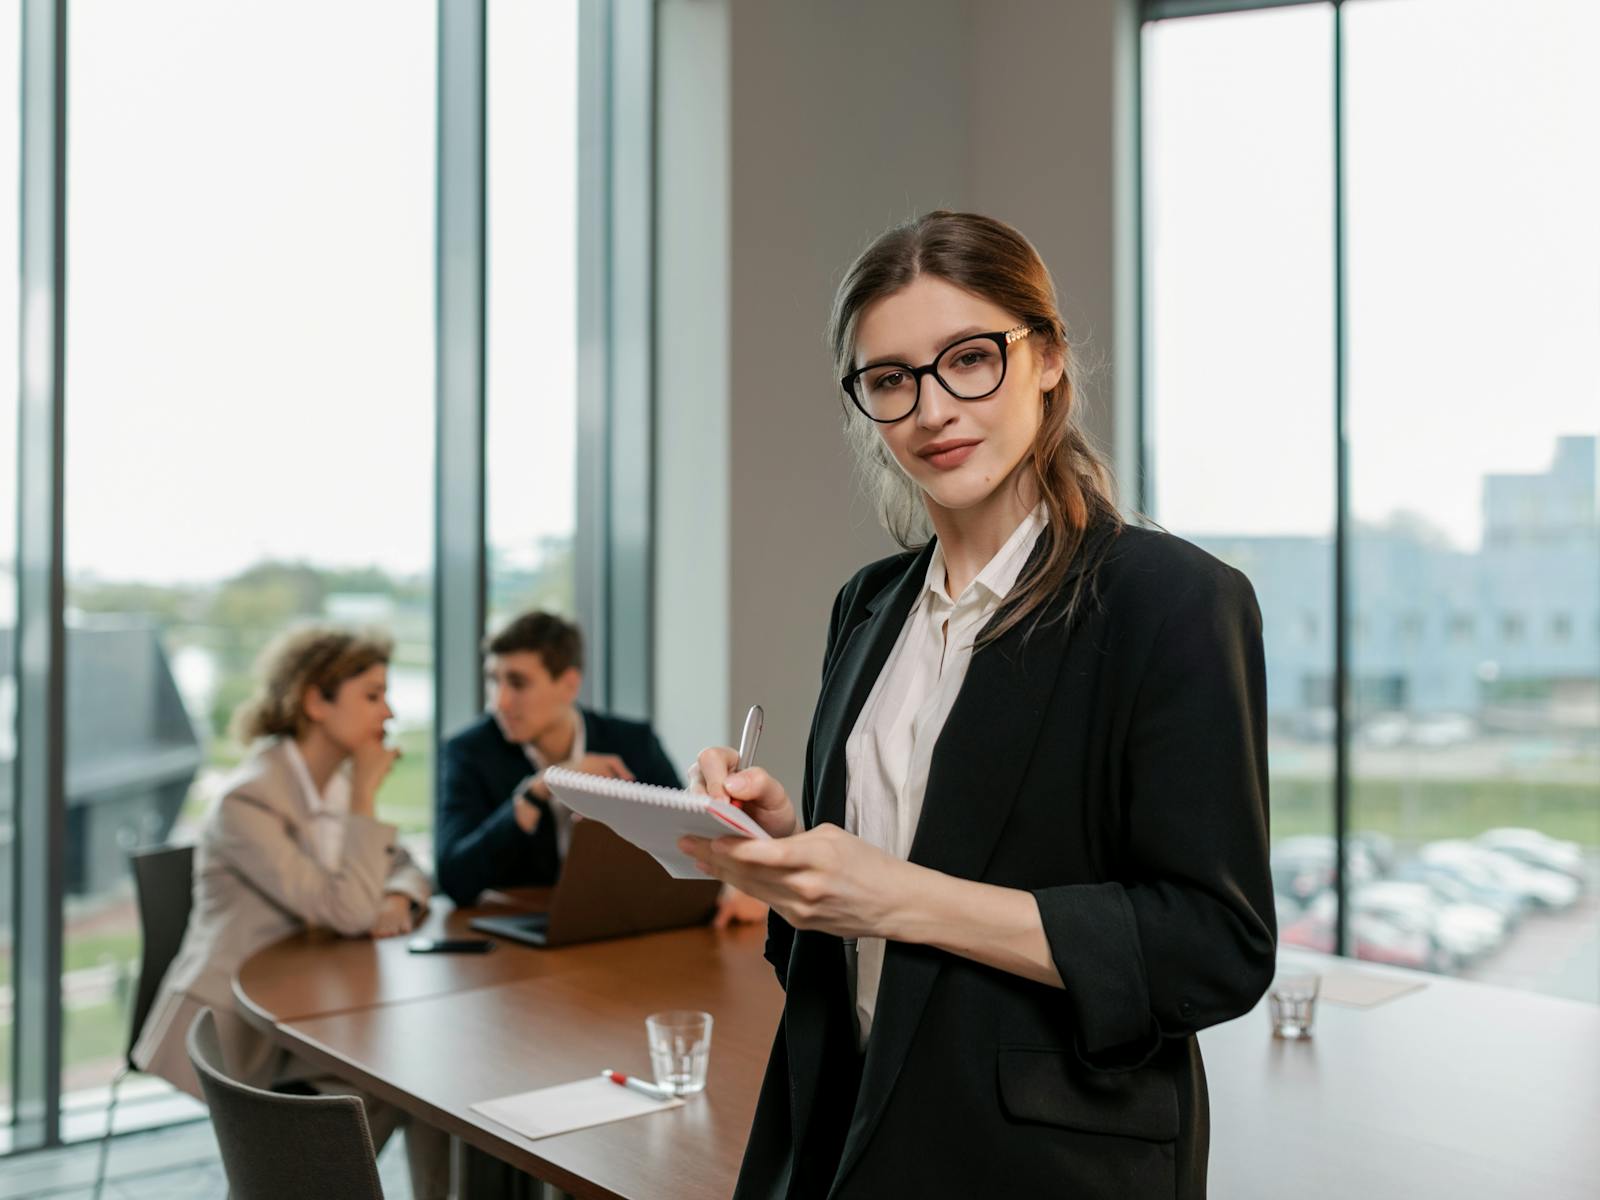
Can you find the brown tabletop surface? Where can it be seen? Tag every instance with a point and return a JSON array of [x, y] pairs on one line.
[[436, 1034], [317, 973], [1456, 1090], [455, 1051]]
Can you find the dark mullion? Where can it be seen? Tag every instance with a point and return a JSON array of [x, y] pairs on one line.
[[40, 807], [591, 549], [630, 433], [459, 560], [1143, 489], [1341, 535]]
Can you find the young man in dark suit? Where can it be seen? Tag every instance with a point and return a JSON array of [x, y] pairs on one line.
[[496, 824]]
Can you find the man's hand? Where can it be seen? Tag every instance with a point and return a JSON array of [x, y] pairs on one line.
[[526, 812], [394, 917]]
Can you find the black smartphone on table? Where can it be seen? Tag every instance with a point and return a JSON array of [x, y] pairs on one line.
[[465, 945]]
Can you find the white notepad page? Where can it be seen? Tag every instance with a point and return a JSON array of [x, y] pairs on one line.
[[569, 1106], [652, 818]]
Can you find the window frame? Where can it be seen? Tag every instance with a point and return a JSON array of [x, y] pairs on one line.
[[614, 537]]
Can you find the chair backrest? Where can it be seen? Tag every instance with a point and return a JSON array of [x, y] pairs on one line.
[[163, 880], [274, 1145]]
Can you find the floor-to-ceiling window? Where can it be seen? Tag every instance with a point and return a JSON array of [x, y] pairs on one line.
[[252, 411], [10, 150], [1239, 436], [532, 306], [249, 416], [1373, 273]]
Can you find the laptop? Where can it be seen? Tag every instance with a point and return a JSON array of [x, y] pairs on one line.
[[608, 888]]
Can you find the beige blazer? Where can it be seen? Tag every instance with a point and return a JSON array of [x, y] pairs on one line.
[[257, 880]]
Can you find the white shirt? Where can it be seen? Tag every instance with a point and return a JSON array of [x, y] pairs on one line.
[[329, 808], [560, 811], [889, 750]]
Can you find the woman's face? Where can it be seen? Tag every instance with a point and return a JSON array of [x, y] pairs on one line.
[[358, 711], [957, 451]]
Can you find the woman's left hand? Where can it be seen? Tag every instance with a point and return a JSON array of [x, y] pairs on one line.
[[394, 917], [823, 879]]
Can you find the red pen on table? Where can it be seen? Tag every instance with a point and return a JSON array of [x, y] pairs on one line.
[[638, 1085]]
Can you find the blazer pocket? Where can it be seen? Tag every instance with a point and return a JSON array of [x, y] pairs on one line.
[[1052, 1087]]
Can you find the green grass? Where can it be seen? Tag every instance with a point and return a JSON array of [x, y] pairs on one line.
[[1423, 810], [406, 798], [91, 1034], [88, 951]]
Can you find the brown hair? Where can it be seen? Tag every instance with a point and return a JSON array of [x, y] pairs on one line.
[[557, 642], [318, 656], [989, 259]]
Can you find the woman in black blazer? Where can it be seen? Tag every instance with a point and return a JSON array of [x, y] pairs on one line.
[[1049, 822]]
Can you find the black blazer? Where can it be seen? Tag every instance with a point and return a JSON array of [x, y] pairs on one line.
[[1118, 773], [477, 843]]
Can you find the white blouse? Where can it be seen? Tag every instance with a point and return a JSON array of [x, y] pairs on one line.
[[888, 752], [329, 807]]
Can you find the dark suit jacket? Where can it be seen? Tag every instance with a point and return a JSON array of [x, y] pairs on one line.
[[1119, 774], [477, 843]]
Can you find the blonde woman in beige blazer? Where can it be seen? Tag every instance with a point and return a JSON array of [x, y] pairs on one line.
[[293, 841]]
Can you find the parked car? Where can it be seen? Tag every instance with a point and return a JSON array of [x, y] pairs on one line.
[[1288, 909], [1535, 849], [1464, 884], [1547, 889], [1466, 931], [1373, 938], [1302, 866], [1443, 729], [1378, 846]]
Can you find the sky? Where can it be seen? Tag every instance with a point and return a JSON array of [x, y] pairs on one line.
[[1473, 183], [250, 366], [250, 321]]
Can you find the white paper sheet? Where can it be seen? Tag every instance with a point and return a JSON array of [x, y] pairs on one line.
[[569, 1106]]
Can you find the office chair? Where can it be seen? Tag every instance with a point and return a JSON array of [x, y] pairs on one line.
[[274, 1145], [163, 882]]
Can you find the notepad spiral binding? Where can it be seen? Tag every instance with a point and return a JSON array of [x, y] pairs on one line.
[[626, 789]]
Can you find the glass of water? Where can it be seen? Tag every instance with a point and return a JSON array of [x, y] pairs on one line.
[[680, 1048], [1292, 1003]]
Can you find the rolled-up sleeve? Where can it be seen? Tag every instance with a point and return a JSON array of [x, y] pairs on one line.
[[1184, 938]]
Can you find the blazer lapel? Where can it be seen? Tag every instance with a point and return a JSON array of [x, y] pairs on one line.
[[817, 1012], [974, 778], [849, 682]]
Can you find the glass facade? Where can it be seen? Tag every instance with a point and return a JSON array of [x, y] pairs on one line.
[[532, 252], [10, 154], [252, 425], [250, 412], [1473, 181], [1239, 433], [1469, 269]]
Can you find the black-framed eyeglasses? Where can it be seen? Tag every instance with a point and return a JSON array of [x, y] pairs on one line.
[[969, 368]]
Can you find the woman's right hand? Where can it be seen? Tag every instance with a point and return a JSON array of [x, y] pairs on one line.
[[370, 764], [759, 794]]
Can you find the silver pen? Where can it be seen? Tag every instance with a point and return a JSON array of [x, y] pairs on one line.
[[749, 738]]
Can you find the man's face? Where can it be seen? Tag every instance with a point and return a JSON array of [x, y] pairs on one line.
[[523, 696]]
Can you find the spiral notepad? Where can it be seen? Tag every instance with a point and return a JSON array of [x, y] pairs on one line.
[[653, 818]]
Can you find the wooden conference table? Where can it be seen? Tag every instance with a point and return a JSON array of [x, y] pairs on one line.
[[1457, 1090]]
